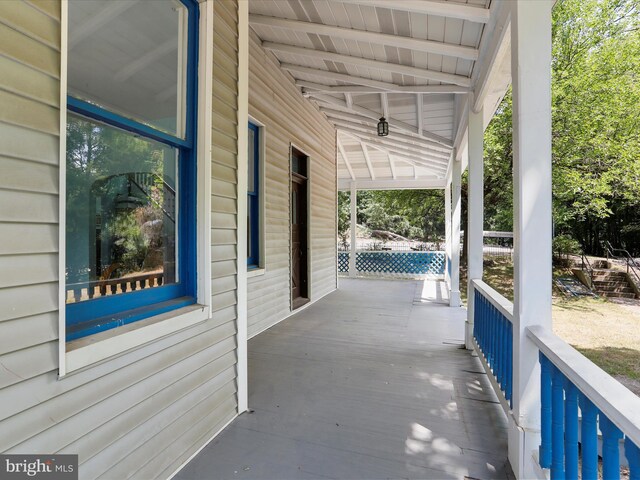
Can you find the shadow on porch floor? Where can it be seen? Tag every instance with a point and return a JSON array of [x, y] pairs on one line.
[[368, 383]]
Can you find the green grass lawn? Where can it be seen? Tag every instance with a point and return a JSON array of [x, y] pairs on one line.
[[607, 333]]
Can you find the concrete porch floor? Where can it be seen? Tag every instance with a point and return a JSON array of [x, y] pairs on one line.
[[367, 383]]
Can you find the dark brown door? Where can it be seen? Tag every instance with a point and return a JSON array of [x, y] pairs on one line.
[[299, 274]]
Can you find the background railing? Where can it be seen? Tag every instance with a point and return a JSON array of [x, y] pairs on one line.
[[379, 245], [100, 288], [578, 399], [394, 263], [625, 257], [493, 336]]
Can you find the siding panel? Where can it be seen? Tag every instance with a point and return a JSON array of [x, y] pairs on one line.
[[28, 51], [144, 412], [275, 102]]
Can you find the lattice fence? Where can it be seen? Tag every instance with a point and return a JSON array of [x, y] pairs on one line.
[[343, 262], [402, 264]]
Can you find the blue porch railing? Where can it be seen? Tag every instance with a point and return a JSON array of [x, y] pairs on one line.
[[493, 334], [579, 400], [394, 263]]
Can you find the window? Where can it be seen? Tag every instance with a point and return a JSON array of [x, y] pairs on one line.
[[130, 161], [253, 198]]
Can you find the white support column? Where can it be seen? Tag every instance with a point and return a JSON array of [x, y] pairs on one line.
[[456, 208], [243, 165], [475, 214], [354, 226], [447, 234], [531, 74]]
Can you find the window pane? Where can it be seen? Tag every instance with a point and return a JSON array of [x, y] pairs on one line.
[[121, 211], [251, 180], [130, 57]]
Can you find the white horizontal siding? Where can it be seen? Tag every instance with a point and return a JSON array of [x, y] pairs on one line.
[[142, 413], [288, 118]]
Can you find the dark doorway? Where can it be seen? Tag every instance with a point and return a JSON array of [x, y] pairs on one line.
[[299, 225]]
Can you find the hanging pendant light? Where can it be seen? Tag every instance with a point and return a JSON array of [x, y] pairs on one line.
[[383, 127]]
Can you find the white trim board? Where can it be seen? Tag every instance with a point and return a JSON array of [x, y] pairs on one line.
[[104, 345]]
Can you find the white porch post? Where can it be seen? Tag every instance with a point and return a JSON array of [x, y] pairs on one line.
[[447, 234], [456, 206], [243, 165], [475, 215], [354, 222], [531, 74]]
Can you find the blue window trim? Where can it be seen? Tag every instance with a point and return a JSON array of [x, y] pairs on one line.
[[118, 310], [253, 202]]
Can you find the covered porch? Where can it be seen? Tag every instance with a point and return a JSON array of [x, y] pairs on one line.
[[369, 382]]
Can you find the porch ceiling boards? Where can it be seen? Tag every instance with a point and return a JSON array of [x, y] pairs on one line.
[[411, 61]]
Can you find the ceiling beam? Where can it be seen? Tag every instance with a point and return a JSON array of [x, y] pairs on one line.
[[410, 160], [367, 82], [345, 159], [392, 165], [367, 160], [338, 104], [397, 147], [369, 63], [389, 88], [406, 147], [419, 45], [340, 117], [349, 99], [399, 184], [372, 123], [441, 9], [98, 20], [404, 158]]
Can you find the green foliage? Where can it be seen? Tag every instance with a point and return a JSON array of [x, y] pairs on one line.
[[344, 215], [98, 157], [565, 245], [130, 245], [596, 145], [414, 214]]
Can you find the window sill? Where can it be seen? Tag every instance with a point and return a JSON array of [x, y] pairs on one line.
[[101, 346], [255, 272]]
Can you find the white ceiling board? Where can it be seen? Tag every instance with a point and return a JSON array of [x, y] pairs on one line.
[[462, 27]]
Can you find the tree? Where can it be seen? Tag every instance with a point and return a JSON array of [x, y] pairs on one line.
[[596, 146]]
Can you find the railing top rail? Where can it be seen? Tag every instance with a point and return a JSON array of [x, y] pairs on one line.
[[501, 303], [620, 405]]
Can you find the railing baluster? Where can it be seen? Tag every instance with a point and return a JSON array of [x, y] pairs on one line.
[[503, 352], [493, 334], [632, 452], [509, 392], [557, 422], [545, 401], [589, 439], [475, 312], [492, 350], [571, 430], [611, 436]]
